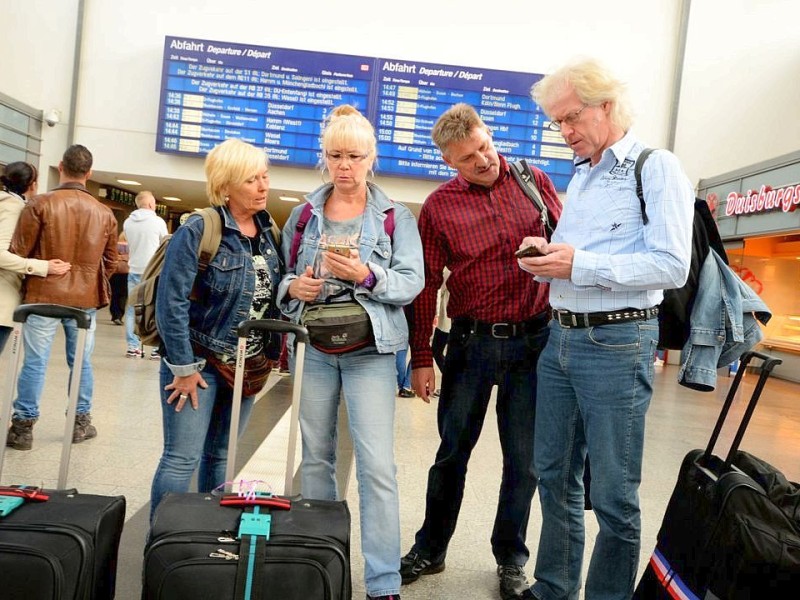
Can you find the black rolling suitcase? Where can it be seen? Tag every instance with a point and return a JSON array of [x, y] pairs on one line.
[[732, 527], [250, 545], [56, 544]]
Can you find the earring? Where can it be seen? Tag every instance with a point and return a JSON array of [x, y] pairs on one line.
[[322, 174], [227, 198], [371, 176]]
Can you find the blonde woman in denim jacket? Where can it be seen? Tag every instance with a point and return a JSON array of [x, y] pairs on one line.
[[384, 273]]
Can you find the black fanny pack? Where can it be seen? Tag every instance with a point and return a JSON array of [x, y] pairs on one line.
[[338, 327]]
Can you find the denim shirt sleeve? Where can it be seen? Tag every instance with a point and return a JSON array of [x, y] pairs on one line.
[[172, 298], [402, 279], [651, 257]]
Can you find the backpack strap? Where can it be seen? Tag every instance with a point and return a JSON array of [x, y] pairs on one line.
[[524, 175], [300, 227], [637, 171], [212, 236]]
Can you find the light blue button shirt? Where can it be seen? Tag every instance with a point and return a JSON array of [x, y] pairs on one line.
[[619, 261]]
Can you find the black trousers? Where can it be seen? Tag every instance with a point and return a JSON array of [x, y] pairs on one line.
[[119, 295]]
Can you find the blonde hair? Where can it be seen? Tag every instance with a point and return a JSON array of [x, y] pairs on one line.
[[346, 127], [232, 161], [455, 125], [592, 82]]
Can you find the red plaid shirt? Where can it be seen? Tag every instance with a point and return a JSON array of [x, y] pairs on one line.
[[474, 231]]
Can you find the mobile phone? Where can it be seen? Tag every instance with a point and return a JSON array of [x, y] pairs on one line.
[[528, 251], [341, 250]]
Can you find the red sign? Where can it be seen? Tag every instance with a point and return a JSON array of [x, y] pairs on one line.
[[766, 199]]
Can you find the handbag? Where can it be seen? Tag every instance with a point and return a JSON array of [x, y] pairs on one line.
[[256, 370], [338, 327]]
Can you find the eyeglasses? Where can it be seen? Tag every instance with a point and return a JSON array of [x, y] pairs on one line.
[[338, 157], [570, 119]]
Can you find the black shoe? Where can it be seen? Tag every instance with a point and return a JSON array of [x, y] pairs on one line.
[[116, 321], [406, 393], [413, 566], [20, 435], [389, 597], [83, 429], [512, 581], [528, 595]]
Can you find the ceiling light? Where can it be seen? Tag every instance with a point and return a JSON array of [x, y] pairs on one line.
[[289, 198], [128, 182], [172, 198]]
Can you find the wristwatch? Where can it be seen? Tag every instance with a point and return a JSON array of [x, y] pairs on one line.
[[369, 281]]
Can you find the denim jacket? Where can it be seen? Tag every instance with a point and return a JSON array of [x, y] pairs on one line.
[[724, 324], [396, 262], [224, 292]]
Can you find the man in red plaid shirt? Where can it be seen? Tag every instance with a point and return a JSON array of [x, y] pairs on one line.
[[472, 225]]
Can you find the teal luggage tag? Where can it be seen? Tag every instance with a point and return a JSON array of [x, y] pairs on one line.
[[9, 503]]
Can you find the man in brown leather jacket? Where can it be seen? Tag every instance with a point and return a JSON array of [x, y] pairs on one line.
[[68, 223]]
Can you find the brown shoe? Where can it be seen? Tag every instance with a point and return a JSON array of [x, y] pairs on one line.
[[83, 430], [20, 436]]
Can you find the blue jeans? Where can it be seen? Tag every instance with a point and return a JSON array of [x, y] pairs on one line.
[[133, 340], [367, 381], [195, 438], [595, 386], [403, 369], [37, 339], [473, 365]]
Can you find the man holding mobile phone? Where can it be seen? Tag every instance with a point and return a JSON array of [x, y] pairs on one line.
[[607, 267], [473, 225]]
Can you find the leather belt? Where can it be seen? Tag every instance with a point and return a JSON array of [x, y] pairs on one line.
[[570, 320], [502, 331]]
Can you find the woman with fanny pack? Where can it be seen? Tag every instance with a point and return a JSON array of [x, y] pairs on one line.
[[354, 261], [198, 312]]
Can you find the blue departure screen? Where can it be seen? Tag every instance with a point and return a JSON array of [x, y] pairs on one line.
[[278, 99]]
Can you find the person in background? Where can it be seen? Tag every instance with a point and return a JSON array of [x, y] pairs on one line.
[[403, 368], [144, 230], [607, 270], [197, 368], [441, 329], [472, 225], [119, 283], [19, 183], [70, 223], [381, 273]]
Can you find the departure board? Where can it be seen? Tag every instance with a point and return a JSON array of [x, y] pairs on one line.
[[278, 99], [412, 95]]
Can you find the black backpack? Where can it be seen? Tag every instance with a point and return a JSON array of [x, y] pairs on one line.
[[676, 308]]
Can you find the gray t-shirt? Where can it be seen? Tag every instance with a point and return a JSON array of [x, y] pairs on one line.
[[341, 233]]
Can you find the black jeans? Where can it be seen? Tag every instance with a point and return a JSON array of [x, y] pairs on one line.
[[474, 364], [119, 295]]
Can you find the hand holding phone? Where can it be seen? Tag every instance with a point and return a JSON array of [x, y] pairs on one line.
[[528, 251]]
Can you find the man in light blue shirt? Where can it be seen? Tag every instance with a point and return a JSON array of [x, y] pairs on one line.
[[607, 270]]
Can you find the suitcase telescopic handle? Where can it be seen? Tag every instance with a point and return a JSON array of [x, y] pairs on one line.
[[275, 326], [54, 311], [767, 365]]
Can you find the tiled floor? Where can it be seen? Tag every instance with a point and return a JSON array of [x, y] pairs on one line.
[[121, 460]]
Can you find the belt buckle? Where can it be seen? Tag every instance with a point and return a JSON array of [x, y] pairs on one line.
[[570, 323], [498, 336]]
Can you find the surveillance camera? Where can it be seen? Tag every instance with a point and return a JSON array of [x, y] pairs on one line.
[[52, 117]]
